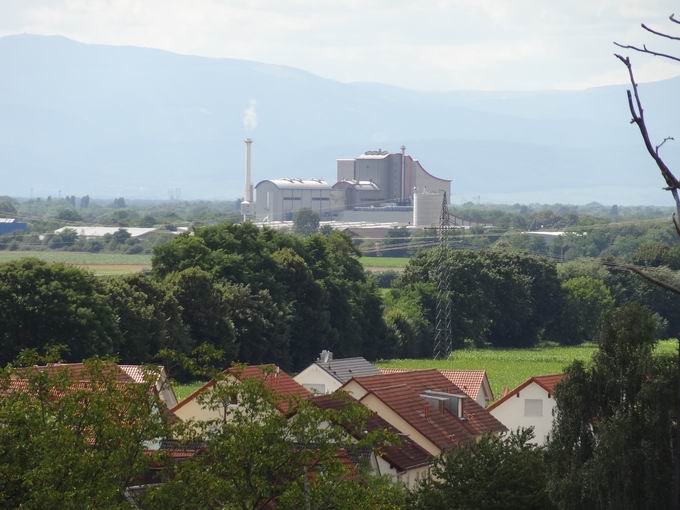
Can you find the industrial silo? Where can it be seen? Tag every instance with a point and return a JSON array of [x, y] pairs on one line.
[[427, 208]]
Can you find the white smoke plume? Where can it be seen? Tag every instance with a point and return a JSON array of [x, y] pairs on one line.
[[250, 116]]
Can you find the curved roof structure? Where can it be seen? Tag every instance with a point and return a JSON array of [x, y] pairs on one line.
[[297, 184]]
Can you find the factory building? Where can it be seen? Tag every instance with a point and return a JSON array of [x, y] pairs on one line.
[[377, 186], [396, 175], [280, 199]]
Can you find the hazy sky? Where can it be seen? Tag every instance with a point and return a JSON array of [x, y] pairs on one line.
[[427, 44]]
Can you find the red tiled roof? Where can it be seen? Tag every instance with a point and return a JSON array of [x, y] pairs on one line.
[[547, 382], [403, 456], [401, 392], [278, 381], [470, 381]]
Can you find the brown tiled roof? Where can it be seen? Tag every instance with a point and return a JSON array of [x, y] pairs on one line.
[[404, 456], [278, 381], [401, 392], [547, 382], [470, 381]]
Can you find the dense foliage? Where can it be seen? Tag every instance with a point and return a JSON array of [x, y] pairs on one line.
[[611, 442], [494, 473], [507, 298], [255, 295], [94, 442]]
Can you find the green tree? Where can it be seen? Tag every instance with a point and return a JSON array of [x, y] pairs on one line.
[[586, 301], [119, 203], [148, 316], [49, 304], [68, 215], [610, 447], [85, 201], [305, 222], [317, 283], [206, 311], [72, 444], [257, 458], [494, 473]]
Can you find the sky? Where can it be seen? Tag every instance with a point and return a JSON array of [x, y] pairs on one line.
[[424, 44]]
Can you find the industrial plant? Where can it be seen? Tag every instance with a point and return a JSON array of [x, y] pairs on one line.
[[376, 187]]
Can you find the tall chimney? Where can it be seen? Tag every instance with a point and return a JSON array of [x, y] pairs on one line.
[[403, 173], [249, 187], [247, 204]]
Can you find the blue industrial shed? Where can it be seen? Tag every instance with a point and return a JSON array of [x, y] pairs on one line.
[[10, 225]]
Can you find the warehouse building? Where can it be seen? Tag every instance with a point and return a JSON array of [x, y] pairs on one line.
[[280, 199]]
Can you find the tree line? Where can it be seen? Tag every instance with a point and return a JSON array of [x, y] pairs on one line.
[[255, 294], [510, 298]]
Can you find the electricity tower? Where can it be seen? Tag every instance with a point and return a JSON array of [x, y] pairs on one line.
[[443, 343]]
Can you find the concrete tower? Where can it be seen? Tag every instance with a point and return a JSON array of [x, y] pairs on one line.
[[247, 204]]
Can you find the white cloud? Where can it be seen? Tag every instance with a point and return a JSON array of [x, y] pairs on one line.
[[427, 44]]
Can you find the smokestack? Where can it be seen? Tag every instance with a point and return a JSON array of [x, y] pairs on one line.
[[403, 172], [247, 204], [249, 187]]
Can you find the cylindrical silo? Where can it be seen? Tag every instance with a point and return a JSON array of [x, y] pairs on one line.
[[427, 208]]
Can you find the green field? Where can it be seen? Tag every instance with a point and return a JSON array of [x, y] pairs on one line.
[[184, 390], [101, 264], [384, 262], [504, 367], [510, 367]]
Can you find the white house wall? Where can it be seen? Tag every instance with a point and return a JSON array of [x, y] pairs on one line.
[[313, 376], [511, 413]]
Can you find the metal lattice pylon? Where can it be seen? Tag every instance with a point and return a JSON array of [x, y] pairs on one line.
[[442, 340]]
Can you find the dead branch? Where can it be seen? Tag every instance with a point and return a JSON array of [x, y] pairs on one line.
[[661, 34], [644, 49], [638, 115], [674, 19], [668, 138], [616, 266]]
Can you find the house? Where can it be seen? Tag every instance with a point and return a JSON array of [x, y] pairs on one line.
[[327, 374], [405, 462], [424, 406], [280, 383], [531, 404], [127, 374], [474, 383], [165, 391]]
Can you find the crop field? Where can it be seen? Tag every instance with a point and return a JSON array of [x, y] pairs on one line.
[[101, 264], [504, 367], [511, 367], [393, 263]]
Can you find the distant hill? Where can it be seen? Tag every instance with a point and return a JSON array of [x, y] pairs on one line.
[[112, 121]]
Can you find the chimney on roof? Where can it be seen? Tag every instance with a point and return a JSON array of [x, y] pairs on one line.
[[326, 356]]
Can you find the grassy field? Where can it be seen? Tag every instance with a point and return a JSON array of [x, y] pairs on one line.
[[510, 367], [384, 262], [184, 390], [101, 264]]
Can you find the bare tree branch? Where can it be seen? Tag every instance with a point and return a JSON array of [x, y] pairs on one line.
[[644, 49], [638, 115], [668, 138], [616, 266], [661, 34], [674, 19]]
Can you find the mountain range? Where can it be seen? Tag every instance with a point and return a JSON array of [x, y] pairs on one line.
[[136, 122]]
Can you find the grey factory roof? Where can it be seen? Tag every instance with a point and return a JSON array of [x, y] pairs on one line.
[[298, 183], [343, 369], [357, 185]]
